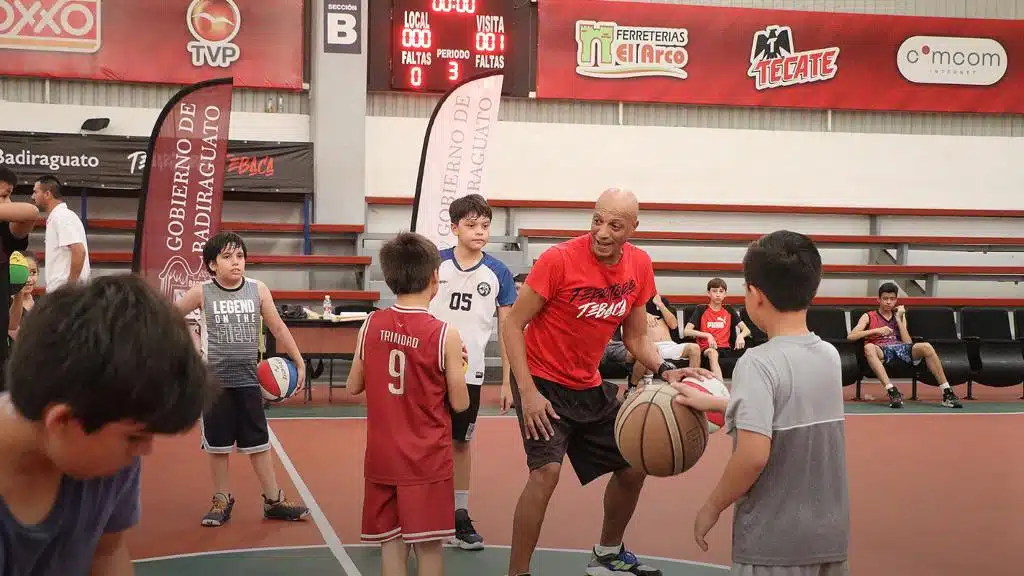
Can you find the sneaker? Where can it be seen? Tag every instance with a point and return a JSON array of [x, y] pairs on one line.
[[220, 512], [466, 536], [949, 399], [895, 398], [622, 563], [282, 509]]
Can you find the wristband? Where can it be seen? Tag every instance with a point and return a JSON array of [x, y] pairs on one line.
[[665, 366]]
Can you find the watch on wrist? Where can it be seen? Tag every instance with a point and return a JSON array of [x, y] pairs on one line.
[[665, 366]]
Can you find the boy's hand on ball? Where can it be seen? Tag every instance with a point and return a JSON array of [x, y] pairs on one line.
[[678, 374], [696, 399]]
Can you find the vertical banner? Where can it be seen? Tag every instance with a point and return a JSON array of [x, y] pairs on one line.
[[455, 147], [182, 187]]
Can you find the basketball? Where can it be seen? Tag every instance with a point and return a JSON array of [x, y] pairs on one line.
[[657, 435], [278, 378], [715, 387]]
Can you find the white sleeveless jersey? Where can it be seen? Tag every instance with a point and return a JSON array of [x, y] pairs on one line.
[[469, 299]]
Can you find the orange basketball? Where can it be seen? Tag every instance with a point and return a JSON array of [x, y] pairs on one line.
[[657, 435]]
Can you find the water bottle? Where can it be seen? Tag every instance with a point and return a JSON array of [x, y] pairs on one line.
[[328, 308]]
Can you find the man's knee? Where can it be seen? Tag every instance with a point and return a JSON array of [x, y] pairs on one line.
[[460, 445], [631, 476], [546, 477], [872, 350], [923, 350], [712, 354]]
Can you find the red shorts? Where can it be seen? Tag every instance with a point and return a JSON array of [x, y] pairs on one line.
[[416, 513]]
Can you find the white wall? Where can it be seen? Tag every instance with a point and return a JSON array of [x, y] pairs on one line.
[[67, 119], [673, 164]]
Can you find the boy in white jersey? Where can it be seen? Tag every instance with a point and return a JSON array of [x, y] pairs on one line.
[[234, 309], [473, 286]]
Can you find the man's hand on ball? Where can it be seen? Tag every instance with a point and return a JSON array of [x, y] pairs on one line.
[[680, 373]]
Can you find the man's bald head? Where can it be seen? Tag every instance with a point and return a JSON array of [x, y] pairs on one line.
[[616, 216], [620, 203]]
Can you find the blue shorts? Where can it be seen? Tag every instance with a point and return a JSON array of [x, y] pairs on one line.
[[899, 352]]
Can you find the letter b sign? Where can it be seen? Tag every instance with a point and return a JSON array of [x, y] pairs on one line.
[[342, 26]]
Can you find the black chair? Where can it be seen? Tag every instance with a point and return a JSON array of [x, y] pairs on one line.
[[830, 325], [937, 326], [1018, 324], [995, 357], [899, 371]]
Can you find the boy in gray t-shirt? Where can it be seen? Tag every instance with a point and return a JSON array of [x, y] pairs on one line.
[[97, 370], [787, 475]]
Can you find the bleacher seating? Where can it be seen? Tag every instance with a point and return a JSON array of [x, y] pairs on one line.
[[830, 325], [995, 356]]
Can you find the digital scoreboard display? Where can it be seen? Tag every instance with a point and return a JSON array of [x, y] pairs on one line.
[[435, 44]]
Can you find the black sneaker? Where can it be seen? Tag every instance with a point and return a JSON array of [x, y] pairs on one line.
[[282, 509], [895, 398], [466, 536], [949, 399], [220, 512]]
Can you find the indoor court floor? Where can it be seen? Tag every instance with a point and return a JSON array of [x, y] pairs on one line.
[[934, 492]]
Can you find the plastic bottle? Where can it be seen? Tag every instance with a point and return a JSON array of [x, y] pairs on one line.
[[328, 307]]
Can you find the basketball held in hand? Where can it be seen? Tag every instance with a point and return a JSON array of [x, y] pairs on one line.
[[659, 436]]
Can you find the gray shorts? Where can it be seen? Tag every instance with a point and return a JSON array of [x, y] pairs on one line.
[[830, 569]]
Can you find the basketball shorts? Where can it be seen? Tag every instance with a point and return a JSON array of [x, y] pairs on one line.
[[464, 423], [236, 419], [414, 513], [585, 430], [899, 354], [828, 569]]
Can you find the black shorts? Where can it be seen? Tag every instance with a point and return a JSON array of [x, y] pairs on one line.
[[236, 419], [585, 430], [464, 423]]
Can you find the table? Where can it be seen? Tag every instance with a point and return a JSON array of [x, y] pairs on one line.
[[320, 340]]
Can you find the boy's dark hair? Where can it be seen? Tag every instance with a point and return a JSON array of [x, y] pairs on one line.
[[113, 349], [888, 288], [8, 175], [786, 267], [470, 205], [717, 283], [409, 261], [52, 185], [220, 242]]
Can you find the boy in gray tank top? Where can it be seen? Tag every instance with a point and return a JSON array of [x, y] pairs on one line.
[[233, 309], [787, 476], [98, 370]]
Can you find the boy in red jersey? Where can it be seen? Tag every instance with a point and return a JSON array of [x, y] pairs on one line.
[[578, 292], [411, 365], [717, 327]]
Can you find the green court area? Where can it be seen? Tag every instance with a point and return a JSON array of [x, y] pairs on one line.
[[320, 560]]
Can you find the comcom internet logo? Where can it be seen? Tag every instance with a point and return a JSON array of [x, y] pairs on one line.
[[951, 60], [50, 25]]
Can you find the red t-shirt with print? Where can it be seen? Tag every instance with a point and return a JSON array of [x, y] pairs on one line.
[[585, 302]]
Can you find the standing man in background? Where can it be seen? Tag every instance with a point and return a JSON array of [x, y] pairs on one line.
[[67, 252], [16, 221]]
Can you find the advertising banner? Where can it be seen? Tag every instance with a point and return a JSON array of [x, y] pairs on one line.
[[454, 158], [703, 55], [92, 161], [166, 41], [183, 185]]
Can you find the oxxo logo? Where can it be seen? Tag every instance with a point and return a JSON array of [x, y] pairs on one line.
[[213, 24], [951, 60], [50, 25]]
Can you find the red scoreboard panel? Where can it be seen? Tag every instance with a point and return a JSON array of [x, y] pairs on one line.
[[434, 44]]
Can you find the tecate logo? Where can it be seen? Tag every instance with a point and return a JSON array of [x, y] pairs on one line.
[[951, 60], [50, 25]]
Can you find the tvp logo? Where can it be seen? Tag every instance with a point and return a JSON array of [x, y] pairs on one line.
[[342, 27], [213, 24]]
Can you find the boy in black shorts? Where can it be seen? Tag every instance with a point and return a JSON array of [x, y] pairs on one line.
[[233, 310]]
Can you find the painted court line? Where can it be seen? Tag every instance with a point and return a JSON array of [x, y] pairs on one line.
[[583, 552], [317, 513], [230, 551]]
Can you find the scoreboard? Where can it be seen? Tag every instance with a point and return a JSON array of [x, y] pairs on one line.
[[433, 45]]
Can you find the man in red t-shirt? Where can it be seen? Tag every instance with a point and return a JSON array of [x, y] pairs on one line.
[[412, 366], [577, 294]]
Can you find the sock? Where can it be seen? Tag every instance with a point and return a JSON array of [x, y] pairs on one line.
[[944, 386], [462, 499], [604, 550]]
